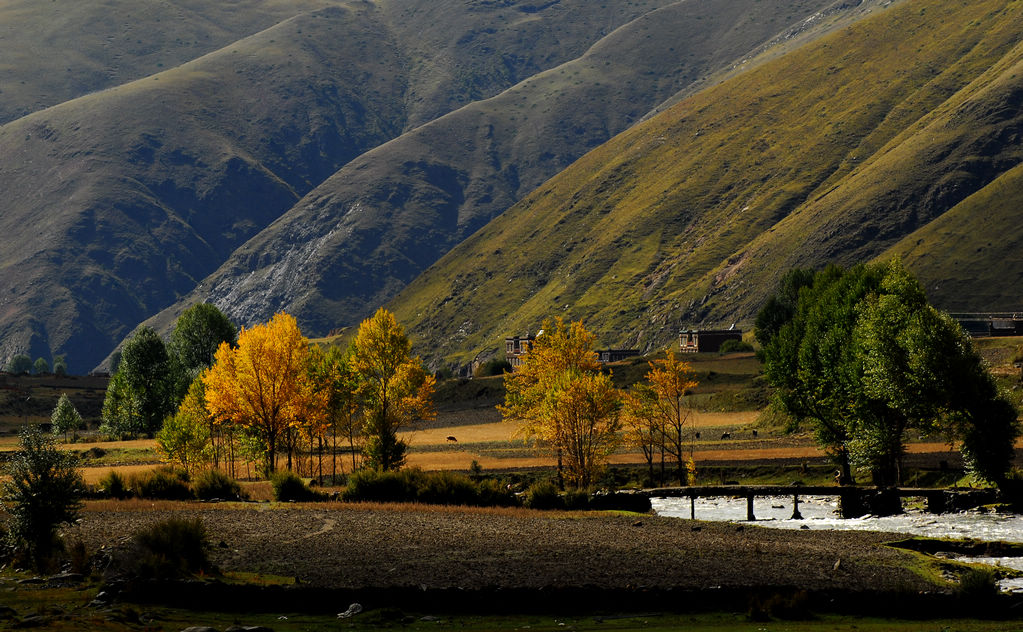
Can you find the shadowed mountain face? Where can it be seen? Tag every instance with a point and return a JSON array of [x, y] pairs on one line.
[[209, 124], [898, 135], [357, 239]]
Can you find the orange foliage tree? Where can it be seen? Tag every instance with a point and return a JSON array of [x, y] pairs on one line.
[[264, 385]]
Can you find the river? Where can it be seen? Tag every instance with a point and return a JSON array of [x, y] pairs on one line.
[[821, 513]]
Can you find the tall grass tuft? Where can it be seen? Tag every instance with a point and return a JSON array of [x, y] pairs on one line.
[[172, 548]]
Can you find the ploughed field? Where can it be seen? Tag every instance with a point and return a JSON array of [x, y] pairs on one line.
[[343, 546]]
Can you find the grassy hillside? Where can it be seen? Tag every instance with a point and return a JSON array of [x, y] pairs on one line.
[[358, 238], [836, 151], [120, 201]]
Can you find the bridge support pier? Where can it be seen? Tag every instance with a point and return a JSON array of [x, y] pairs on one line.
[[749, 508], [692, 507], [795, 508]]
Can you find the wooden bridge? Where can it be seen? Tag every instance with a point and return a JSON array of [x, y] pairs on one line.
[[853, 501]]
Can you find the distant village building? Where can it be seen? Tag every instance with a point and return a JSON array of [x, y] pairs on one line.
[[516, 348], [706, 340], [991, 324]]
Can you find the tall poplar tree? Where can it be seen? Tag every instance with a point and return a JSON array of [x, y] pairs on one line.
[[395, 388]]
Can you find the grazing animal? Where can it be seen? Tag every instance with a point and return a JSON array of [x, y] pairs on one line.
[[726, 435], [697, 435], [453, 439], [754, 434]]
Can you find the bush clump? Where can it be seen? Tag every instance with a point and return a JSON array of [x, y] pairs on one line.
[[543, 495], [175, 547], [435, 488], [735, 346], [289, 487], [164, 483], [214, 484], [114, 486]]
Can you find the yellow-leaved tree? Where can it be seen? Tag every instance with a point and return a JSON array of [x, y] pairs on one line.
[[659, 415], [264, 385], [561, 400], [395, 388]]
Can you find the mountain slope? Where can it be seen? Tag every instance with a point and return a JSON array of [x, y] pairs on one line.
[[120, 201], [836, 151], [57, 51], [363, 234]]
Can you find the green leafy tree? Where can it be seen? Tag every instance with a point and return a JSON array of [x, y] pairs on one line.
[[864, 359], [184, 438], [395, 388], [197, 334], [65, 418], [40, 366], [141, 392], [60, 364], [43, 490], [19, 364], [812, 360]]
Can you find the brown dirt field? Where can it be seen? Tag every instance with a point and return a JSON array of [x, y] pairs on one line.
[[359, 546]]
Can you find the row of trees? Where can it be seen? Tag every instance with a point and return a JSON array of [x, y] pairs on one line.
[[862, 357], [214, 397], [564, 402], [22, 364]]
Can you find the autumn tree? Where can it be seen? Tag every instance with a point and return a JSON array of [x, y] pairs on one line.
[[555, 378], [395, 389], [263, 384], [589, 423], [644, 429], [667, 410], [65, 418]]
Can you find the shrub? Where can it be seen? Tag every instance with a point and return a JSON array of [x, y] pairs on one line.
[[164, 483], [213, 484], [735, 346], [436, 488], [173, 548], [446, 488], [977, 585], [493, 494], [543, 495], [576, 499], [377, 486], [43, 491], [289, 487], [494, 366], [114, 486]]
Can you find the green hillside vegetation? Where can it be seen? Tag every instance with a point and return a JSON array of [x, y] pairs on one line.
[[361, 236], [834, 152]]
